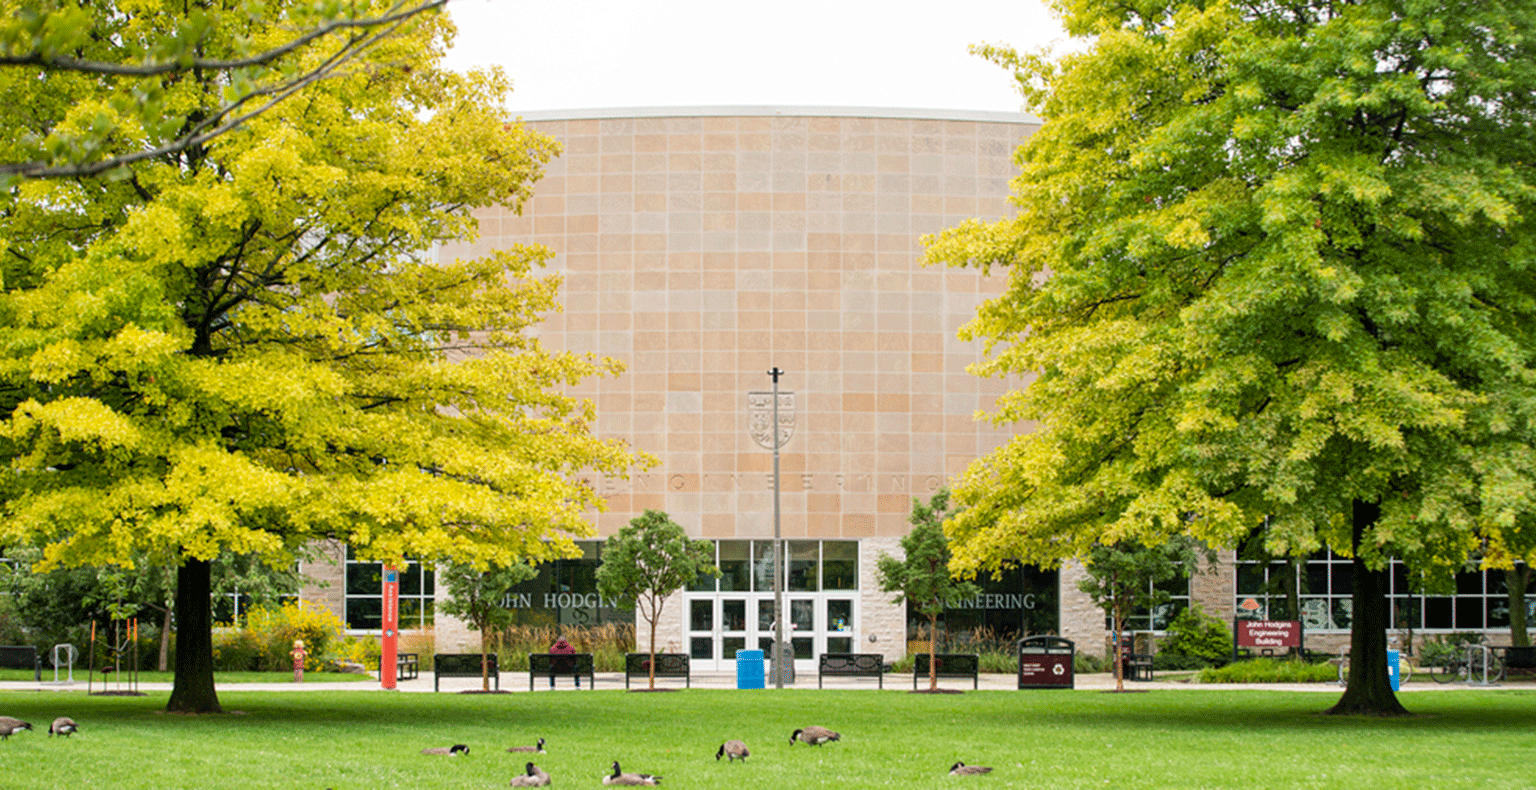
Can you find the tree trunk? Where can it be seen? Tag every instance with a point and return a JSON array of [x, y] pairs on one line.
[[933, 652], [193, 690], [656, 615], [1518, 580], [1369, 692], [164, 664], [485, 669]]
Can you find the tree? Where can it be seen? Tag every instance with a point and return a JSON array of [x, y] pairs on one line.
[[478, 597], [1269, 260], [241, 346], [647, 561], [134, 52], [1123, 577], [922, 576]]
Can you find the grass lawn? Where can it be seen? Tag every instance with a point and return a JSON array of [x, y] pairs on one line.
[[1159, 739]]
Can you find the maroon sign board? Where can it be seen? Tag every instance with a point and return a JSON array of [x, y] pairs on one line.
[[1268, 633], [1045, 671]]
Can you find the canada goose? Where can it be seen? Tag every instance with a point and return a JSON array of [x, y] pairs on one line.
[[535, 777], [538, 748], [63, 725], [735, 750], [814, 735], [452, 751], [961, 769], [617, 778], [10, 726]]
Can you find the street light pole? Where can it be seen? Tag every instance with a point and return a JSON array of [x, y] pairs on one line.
[[778, 546]]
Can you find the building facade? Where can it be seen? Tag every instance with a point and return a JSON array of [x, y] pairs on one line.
[[705, 246]]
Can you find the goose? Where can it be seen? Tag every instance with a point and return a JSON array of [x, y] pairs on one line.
[[63, 725], [452, 751], [10, 726], [961, 769], [735, 750], [814, 735], [535, 777], [537, 748], [617, 778]]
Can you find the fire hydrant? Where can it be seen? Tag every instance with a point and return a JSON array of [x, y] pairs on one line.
[[298, 654]]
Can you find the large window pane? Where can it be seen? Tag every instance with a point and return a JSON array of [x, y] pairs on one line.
[[804, 559], [735, 565], [702, 616], [840, 617], [762, 565], [840, 565], [802, 615], [733, 614]]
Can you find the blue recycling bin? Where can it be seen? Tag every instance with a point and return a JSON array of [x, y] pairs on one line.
[[749, 669], [1393, 672]]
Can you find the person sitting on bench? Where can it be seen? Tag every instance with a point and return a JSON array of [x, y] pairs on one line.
[[562, 647]]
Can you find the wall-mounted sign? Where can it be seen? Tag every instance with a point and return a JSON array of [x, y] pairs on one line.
[[1268, 633]]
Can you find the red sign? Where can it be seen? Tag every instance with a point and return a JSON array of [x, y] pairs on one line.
[[391, 637], [1045, 670], [1268, 633]]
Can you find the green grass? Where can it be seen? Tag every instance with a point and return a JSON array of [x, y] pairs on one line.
[[1159, 739]]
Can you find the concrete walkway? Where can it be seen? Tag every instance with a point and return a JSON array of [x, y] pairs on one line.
[[614, 681]]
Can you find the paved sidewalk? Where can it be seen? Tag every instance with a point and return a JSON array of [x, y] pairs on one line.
[[614, 681]]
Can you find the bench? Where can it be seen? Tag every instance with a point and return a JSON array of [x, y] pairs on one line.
[[1522, 659], [1137, 666], [851, 665], [22, 657], [949, 665], [553, 665], [407, 666], [668, 665], [463, 665]]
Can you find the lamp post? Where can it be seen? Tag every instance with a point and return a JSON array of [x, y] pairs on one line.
[[778, 546]]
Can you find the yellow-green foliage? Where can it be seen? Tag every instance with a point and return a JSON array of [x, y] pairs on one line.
[[264, 642]]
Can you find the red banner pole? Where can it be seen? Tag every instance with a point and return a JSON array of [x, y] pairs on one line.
[[391, 640]]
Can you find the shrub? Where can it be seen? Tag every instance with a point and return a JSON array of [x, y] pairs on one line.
[[264, 642], [1195, 634], [1087, 664], [1269, 670], [1177, 662], [1438, 651]]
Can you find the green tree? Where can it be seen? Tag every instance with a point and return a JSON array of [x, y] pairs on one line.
[[1269, 260], [647, 561], [479, 599], [134, 52], [1123, 577], [241, 346], [922, 575]]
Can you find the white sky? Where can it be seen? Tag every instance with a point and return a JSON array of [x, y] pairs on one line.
[[582, 54]]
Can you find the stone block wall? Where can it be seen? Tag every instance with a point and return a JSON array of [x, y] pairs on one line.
[[881, 619]]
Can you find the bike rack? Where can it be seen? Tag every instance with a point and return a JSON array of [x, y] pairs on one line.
[[67, 659], [1484, 656]]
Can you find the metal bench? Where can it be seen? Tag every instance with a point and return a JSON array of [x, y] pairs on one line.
[[407, 666], [851, 665], [463, 665], [668, 665], [1137, 666], [949, 665], [553, 665], [22, 657]]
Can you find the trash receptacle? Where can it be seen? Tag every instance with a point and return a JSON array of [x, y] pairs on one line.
[[1394, 673], [749, 669], [784, 663], [1045, 662]]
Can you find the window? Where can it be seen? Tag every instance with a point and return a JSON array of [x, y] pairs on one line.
[[1324, 585], [810, 566], [1158, 618], [365, 595]]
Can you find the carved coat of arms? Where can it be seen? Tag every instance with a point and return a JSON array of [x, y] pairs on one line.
[[760, 418]]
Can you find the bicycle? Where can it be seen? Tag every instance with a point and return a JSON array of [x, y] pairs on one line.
[[1404, 668], [1476, 664]]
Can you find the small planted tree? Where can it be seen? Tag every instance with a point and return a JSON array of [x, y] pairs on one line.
[[1123, 577], [649, 560], [922, 577], [477, 598]]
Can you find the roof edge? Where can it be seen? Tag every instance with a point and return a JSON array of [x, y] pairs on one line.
[[787, 111]]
